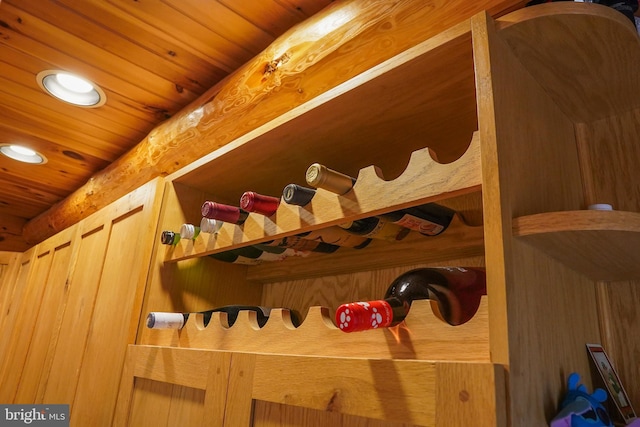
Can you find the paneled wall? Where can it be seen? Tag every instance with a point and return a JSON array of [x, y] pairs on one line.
[[72, 304]]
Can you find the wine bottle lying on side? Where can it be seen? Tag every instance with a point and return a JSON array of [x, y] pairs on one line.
[[457, 291], [172, 320]]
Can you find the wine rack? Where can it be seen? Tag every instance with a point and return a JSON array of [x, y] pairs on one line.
[[423, 337], [511, 123], [424, 180]]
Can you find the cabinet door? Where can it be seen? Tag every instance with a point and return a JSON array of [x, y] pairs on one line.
[[75, 305], [164, 386]]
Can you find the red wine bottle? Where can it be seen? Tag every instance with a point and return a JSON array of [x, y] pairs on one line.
[[320, 176], [224, 213], [294, 194], [457, 291], [259, 203], [430, 219], [170, 320]]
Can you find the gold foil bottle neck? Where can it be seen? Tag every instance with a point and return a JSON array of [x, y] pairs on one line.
[[321, 176]]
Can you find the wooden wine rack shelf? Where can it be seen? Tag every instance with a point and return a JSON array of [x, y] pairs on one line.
[[530, 117], [424, 180], [423, 336], [600, 244]]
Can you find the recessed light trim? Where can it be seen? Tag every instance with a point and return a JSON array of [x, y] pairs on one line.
[[71, 88], [22, 154]]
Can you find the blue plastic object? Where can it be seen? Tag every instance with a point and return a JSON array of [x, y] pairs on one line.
[[581, 409]]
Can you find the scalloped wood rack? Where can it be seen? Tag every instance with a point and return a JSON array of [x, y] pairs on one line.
[[423, 336], [424, 180]]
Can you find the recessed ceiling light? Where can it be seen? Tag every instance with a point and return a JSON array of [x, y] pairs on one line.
[[22, 154], [71, 88]]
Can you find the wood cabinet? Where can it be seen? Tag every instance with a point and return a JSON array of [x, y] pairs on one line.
[[518, 123], [71, 305]]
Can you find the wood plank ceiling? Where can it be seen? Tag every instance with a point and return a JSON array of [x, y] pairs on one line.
[[151, 58]]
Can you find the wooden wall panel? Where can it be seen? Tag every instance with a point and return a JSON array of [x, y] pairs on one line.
[[24, 327], [267, 414], [157, 404], [619, 302], [131, 226], [529, 293], [82, 288], [75, 306], [9, 267], [48, 320], [610, 158]]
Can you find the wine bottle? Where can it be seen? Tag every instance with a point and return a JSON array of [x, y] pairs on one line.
[[189, 231], [320, 176], [295, 194], [337, 236], [211, 226], [224, 213], [301, 244], [457, 292], [430, 219], [259, 203], [169, 238], [254, 255], [376, 228], [170, 320], [234, 256]]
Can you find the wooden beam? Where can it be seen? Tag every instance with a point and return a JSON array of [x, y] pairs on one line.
[[329, 48]]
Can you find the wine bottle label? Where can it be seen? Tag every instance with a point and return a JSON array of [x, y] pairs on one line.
[[362, 316], [387, 230], [420, 225], [160, 320]]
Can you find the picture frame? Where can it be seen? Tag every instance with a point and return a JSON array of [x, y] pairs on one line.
[[612, 382]]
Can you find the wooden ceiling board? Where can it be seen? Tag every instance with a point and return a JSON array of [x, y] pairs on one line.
[[151, 58]]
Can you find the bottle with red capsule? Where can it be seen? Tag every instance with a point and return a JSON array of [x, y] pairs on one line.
[[224, 213], [259, 203], [457, 292]]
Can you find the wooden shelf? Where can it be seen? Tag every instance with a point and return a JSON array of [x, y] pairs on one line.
[[424, 337], [424, 180], [573, 50], [378, 117], [604, 245]]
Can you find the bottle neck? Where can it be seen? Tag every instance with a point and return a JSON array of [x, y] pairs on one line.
[[254, 202], [294, 194], [225, 213], [366, 315], [456, 290]]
